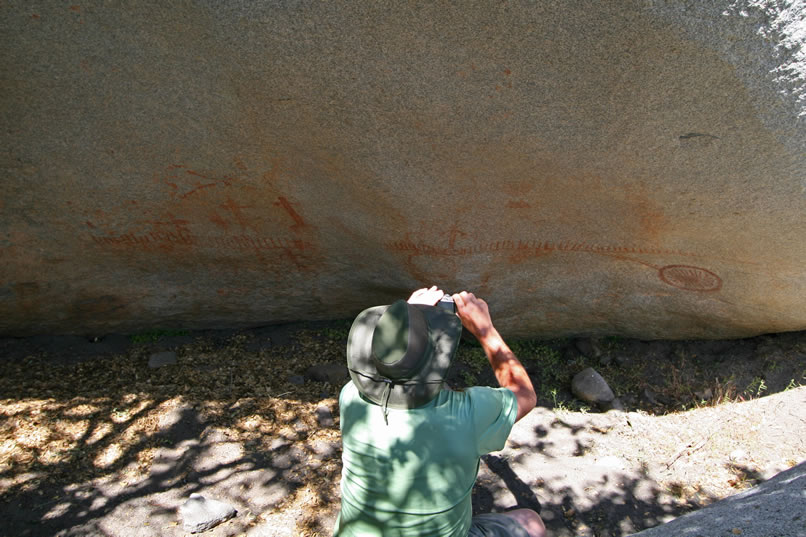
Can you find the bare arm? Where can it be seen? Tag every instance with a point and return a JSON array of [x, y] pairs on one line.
[[508, 369]]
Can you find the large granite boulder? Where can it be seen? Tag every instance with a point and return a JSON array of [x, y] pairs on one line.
[[775, 507], [634, 168]]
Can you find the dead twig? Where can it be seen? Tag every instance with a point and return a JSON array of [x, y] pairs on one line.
[[682, 450]]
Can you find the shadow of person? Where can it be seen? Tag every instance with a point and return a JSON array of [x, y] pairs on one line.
[[523, 493]]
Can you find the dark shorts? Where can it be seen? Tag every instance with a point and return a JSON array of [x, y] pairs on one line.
[[496, 525]]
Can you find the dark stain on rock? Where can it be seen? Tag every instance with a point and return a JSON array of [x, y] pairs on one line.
[[92, 307], [26, 289], [696, 139]]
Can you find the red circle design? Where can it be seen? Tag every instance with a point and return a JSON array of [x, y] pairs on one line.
[[690, 278]]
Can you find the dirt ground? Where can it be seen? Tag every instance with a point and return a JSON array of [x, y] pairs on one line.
[[93, 441]]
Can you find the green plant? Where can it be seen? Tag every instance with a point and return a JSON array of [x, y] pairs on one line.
[[553, 393], [613, 343], [565, 406], [796, 383], [549, 362], [556, 403], [476, 360], [469, 378], [155, 335], [338, 333], [756, 387]]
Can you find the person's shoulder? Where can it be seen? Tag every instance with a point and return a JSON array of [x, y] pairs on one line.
[[489, 396], [348, 392], [494, 411], [469, 392], [477, 396], [486, 391]]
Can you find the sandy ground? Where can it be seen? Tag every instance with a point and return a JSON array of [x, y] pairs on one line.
[[617, 473]]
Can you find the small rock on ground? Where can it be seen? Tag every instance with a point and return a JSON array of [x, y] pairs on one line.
[[160, 359], [200, 514], [588, 347], [589, 386], [324, 416], [332, 373]]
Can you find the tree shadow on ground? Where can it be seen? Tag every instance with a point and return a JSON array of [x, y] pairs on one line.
[[97, 443], [57, 500], [106, 445], [631, 504], [615, 488]]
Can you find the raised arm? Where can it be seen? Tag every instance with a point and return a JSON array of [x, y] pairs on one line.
[[475, 316]]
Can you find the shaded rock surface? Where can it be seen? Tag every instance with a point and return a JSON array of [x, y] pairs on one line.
[[775, 507], [633, 168], [590, 386], [200, 514]]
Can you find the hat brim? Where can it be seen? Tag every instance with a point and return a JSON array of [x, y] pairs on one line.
[[444, 331]]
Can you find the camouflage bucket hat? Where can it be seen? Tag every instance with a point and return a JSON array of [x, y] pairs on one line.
[[398, 355]]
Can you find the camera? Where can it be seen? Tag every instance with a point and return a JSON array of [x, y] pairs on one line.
[[446, 302]]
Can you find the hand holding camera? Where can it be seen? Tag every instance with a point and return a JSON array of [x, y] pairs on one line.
[[433, 296], [475, 314]]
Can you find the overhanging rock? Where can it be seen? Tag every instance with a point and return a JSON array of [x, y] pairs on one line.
[[634, 168]]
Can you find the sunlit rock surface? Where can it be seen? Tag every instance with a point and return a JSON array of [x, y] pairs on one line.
[[634, 168]]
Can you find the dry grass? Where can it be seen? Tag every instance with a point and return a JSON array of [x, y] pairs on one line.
[[103, 418]]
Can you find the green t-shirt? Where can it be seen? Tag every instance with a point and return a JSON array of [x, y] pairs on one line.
[[413, 477]]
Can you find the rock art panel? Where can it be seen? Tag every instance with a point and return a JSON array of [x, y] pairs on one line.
[[634, 169]]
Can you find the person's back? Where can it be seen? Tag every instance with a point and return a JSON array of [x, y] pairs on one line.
[[411, 449], [414, 476]]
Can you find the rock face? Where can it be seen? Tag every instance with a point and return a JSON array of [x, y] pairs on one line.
[[634, 168], [772, 508]]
